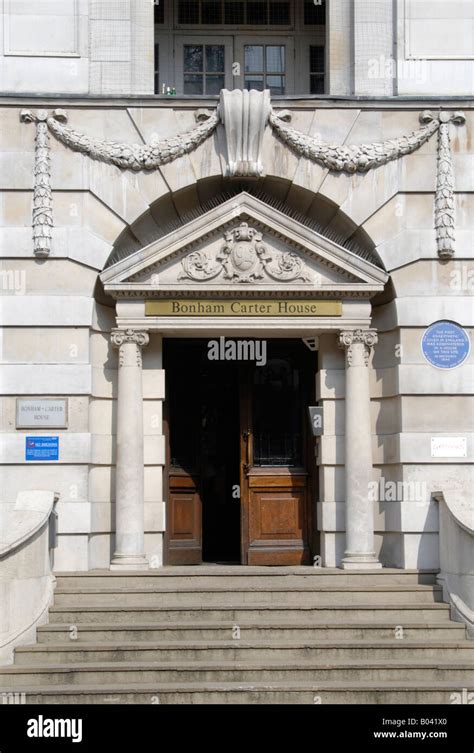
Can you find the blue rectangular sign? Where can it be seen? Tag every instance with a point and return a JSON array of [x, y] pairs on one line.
[[42, 448]]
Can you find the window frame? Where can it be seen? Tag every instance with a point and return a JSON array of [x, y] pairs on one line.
[[320, 74], [238, 27], [263, 71], [203, 40], [296, 37], [311, 27], [269, 41], [156, 67]]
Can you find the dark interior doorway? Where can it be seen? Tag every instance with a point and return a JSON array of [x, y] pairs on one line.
[[220, 462], [240, 461], [203, 413]]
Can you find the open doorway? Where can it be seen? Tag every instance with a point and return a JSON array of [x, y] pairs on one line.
[[240, 461], [203, 427]]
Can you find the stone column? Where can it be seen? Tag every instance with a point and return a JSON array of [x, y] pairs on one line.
[[373, 52], [129, 495], [339, 47], [359, 552]]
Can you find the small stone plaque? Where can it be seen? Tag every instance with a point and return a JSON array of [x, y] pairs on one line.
[[41, 414], [448, 447]]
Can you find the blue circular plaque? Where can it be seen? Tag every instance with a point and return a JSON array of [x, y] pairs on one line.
[[445, 345]]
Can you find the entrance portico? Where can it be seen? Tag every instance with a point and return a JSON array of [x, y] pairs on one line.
[[245, 253]]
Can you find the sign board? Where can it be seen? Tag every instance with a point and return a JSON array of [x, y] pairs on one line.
[[242, 307], [316, 420], [445, 345], [42, 448], [448, 447], [38, 414]]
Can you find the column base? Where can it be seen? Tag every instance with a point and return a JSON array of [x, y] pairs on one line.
[[128, 562], [360, 562]]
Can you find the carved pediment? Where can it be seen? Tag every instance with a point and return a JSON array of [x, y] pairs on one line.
[[243, 245], [244, 257]]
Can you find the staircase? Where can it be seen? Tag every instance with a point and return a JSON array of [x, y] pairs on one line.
[[213, 634]]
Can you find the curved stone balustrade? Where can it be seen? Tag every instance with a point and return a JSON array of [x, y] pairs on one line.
[[456, 554], [26, 579]]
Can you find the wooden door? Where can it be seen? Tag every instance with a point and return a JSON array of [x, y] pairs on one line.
[[275, 483], [182, 482], [202, 464], [184, 529]]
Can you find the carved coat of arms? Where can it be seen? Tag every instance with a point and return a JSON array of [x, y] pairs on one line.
[[244, 258]]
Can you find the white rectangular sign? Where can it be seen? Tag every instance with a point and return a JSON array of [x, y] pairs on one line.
[[41, 414], [448, 447]]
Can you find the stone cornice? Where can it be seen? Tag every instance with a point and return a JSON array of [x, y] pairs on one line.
[[194, 103], [333, 291]]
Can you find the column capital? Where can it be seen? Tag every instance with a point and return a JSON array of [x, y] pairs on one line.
[[351, 338], [121, 336], [139, 338]]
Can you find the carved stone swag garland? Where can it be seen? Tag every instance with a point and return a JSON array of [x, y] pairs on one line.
[[244, 158]]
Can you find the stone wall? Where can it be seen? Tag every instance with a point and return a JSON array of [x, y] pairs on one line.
[[100, 47], [57, 321], [106, 47]]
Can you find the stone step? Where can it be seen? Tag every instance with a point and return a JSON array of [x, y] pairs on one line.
[[202, 576], [289, 630], [18, 677], [257, 595], [399, 613], [246, 651], [288, 692]]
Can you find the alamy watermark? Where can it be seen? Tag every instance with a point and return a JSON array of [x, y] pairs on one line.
[[384, 67], [13, 280], [237, 350], [398, 491], [14, 698], [43, 727]]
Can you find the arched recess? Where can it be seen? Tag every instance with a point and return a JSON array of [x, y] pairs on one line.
[[173, 211]]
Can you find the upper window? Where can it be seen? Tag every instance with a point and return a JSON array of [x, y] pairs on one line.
[[316, 69], [159, 12], [277, 438], [203, 68], [157, 68], [265, 67], [234, 12], [315, 12]]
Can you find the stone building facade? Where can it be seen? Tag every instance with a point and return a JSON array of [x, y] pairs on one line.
[[358, 198]]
